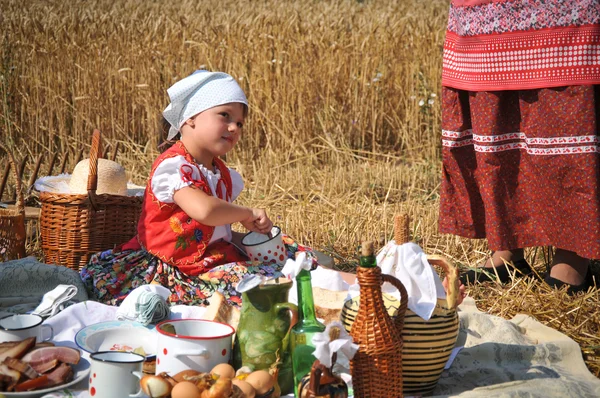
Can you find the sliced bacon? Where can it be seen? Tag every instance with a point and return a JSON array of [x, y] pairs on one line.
[[18, 350], [21, 366], [10, 373], [43, 367], [34, 384], [47, 354], [61, 375]]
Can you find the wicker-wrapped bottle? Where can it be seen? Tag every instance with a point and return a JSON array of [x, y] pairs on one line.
[[377, 366]]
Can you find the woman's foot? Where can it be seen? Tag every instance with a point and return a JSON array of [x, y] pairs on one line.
[[497, 269], [568, 269]]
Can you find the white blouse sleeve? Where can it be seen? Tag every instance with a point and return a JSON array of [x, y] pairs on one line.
[[237, 184], [167, 178]]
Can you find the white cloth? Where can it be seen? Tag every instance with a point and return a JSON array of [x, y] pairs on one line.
[[325, 347], [408, 263], [145, 304], [55, 300], [167, 179], [198, 92], [321, 277]]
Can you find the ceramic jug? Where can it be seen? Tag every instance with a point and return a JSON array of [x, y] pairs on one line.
[[263, 333]]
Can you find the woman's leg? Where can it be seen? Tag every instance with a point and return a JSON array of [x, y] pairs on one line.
[[499, 257], [496, 269], [569, 268]]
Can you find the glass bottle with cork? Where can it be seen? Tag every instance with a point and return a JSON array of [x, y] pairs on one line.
[[302, 333], [377, 365]]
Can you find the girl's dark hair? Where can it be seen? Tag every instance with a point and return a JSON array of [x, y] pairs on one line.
[[163, 133]]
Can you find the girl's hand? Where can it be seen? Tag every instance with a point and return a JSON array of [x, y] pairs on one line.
[[258, 222]]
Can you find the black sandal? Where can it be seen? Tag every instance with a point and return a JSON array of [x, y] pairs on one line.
[[572, 289], [481, 274]]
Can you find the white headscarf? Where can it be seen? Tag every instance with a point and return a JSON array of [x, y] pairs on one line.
[[198, 92]]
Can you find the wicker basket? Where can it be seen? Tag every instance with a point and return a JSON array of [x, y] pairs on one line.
[[12, 221], [74, 226], [427, 344]]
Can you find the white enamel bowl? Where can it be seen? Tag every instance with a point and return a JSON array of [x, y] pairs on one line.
[[117, 336]]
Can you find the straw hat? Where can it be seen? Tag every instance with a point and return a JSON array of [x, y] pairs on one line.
[[112, 178]]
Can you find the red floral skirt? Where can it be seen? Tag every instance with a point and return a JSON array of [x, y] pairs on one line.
[[521, 168]]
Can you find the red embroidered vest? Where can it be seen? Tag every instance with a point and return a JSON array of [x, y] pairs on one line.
[[165, 230]]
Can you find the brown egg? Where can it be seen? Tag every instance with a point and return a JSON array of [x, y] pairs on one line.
[[224, 370], [261, 380], [246, 388], [185, 389]]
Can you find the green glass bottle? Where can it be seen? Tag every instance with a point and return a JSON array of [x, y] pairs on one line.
[[302, 333], [367, 257]]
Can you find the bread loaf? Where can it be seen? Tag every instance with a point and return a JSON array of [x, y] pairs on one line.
[[219, 310], [328, 303]]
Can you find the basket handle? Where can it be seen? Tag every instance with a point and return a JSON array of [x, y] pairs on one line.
[[92, 183], [399, 321], [13, 164], [452, 274]]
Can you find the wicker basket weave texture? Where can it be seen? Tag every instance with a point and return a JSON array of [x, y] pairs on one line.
[[12, 221], [377, 366], [73, 227]]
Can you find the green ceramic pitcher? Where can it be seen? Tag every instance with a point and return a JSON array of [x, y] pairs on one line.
[[264, 330]]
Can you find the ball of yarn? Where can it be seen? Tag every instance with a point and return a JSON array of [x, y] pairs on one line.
[[112, 178]]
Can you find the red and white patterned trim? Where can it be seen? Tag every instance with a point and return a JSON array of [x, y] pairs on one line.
[[533, 146], [518, 61]]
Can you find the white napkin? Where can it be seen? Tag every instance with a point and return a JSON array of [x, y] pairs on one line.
[[293, 267], [408, 263], [325, 347], [145, 304], [55, 300]]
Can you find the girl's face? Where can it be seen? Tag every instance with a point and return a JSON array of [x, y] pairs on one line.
[[213, 132]]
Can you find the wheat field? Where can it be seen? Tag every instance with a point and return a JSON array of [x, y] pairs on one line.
[[344, 123]]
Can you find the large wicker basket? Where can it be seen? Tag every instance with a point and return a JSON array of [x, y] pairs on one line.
[[427, 344], [75, 226], [12, 221]]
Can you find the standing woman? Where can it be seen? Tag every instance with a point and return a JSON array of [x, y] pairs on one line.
[[520, 133]]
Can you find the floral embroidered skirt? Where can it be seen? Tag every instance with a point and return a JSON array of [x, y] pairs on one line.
[[522, 168], [111, 275]]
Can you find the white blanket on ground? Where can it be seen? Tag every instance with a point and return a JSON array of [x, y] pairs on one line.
[[501, 358]]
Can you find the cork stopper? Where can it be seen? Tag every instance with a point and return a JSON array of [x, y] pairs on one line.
[[367, 248], [334, 333], [401, 231]]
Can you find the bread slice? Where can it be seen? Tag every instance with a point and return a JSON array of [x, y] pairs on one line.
[[328, 303], [219, 310]]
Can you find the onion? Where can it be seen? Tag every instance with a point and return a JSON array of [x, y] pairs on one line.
[[156, 386]]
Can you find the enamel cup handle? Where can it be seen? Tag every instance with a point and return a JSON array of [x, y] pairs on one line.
[[200, 353], [51, 333], [140, 393]]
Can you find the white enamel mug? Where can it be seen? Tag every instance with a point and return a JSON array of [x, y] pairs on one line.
[[115, 374], [18, 327], [265, 248], [195, 344]]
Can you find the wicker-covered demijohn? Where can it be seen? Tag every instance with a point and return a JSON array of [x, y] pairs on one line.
[[75, 226], [12, 221], [377, 365]]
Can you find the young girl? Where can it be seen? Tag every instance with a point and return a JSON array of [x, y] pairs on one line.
[[184, 239]]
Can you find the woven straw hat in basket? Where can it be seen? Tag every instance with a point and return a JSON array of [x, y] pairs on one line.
[[12, 221], [112, 178]]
